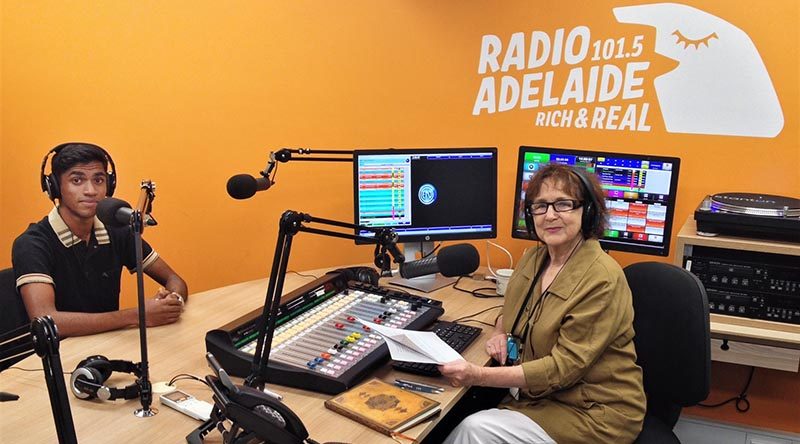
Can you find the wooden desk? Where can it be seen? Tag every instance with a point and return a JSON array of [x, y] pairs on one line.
[[180, 348]]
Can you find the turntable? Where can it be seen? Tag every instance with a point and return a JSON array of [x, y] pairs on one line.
[[748, 214]]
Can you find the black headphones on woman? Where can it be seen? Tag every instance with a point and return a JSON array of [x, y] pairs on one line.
[[589, 218], [89, 378], [50, 181]]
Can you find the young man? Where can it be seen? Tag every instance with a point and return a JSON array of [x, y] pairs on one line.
[[68, 265]]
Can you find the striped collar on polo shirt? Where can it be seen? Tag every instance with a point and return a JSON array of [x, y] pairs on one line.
[[66, 236]]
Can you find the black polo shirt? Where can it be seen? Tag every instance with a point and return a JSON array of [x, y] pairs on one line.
[[86, 277]]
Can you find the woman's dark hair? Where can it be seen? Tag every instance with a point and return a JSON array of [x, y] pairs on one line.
[[593, 224], [74, 154]]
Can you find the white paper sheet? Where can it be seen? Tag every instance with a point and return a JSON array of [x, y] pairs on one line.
[[414, 346]]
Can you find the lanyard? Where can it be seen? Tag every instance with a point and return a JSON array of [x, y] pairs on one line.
[[528, 297]]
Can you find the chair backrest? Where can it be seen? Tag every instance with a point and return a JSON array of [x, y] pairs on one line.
[[13, 313], [673, 344]]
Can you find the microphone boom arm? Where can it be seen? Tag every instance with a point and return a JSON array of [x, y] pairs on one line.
[[285, 154], [291, 223]]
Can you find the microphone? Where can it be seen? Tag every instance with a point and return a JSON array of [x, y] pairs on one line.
[[114, 212], [117, 213], [244, 186], [454, 260]]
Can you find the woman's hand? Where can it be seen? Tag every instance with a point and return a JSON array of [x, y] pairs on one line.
[[497, 347], [461, 373]]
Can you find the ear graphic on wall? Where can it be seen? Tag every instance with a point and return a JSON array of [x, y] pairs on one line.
[[720, 86]]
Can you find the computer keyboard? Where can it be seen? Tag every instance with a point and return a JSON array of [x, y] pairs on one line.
[[458, 336]]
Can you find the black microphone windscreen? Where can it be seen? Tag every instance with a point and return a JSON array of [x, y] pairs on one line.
[[421, 267], [458, 260], [107, 210], [242, 186]]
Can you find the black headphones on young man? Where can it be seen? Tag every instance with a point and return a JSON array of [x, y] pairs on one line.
[[589, 218], [89, 378], [50, 181]]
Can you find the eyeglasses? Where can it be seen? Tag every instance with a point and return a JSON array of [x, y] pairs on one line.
[[560, 206]]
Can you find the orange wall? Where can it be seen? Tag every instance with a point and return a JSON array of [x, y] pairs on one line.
[[189, 93]]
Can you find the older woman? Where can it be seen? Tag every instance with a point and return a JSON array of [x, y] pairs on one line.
[[568, 313]]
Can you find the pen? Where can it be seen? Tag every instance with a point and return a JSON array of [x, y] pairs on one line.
[[418, 386]]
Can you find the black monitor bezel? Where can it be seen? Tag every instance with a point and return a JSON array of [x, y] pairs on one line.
[[421, 237], [606, 244]]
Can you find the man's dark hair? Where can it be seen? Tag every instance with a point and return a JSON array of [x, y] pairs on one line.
[[77, 153]]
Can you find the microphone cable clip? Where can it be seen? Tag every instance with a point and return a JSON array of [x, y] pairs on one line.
[[272, 164]]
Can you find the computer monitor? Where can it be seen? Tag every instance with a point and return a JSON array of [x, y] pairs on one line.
[[427, 194], [639, 194]]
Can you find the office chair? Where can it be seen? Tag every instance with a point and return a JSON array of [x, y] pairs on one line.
[[41, 336], [672, 341], [12, 315]]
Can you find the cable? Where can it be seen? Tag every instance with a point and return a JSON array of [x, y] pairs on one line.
[[185, 376], [489, 257], [302, 275], [424, 255], [742, 403], [477, 292], [274, 174], [14, 367], [467, 317]]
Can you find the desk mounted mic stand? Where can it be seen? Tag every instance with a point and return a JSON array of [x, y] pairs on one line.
[[252, 414], [41, 336], [137, 223], [290, 224]]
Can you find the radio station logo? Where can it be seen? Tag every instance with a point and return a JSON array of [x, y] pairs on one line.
[[720, 85], [427, 194]]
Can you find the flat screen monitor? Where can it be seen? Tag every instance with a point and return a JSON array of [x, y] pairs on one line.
[[427, 194], [639, 192]]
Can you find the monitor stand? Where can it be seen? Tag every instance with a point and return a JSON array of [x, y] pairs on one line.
[[425, 284]]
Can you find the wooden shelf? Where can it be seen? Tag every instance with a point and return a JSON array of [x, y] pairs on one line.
[[688, 236], [752, 331]]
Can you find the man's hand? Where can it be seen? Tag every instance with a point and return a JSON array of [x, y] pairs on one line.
[[461, 373], [165, 308], [163, 293]]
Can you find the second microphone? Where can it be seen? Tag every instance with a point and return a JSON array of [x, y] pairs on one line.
[[454, 260]]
